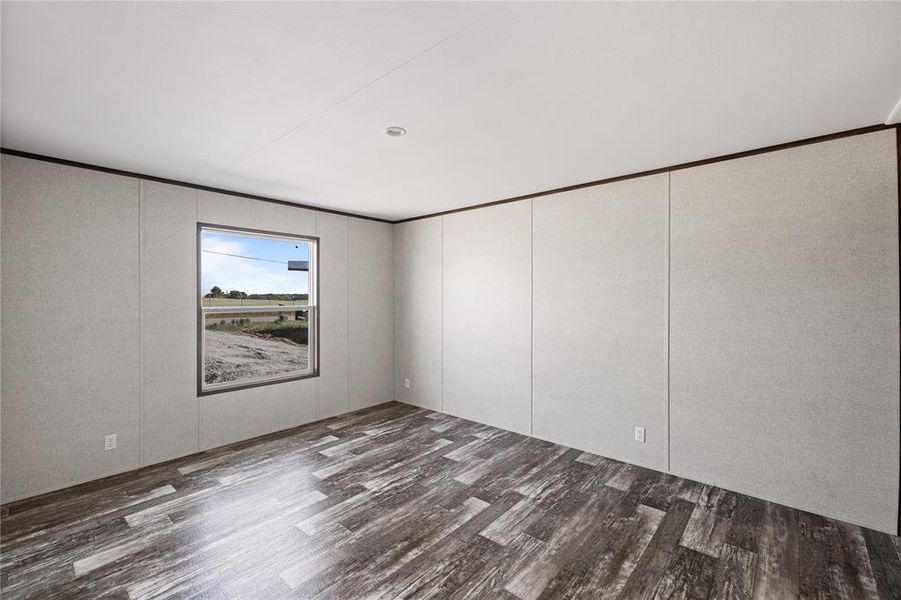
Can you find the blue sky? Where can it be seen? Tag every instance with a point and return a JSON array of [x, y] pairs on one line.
[[249, 275]]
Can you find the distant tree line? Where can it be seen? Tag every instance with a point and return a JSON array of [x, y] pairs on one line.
[[216, 292]]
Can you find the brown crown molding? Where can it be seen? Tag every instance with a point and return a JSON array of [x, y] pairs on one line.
[[678, 167], [671, 168], [195, 186]]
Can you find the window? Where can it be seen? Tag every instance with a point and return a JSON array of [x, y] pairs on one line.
[[257, 314]]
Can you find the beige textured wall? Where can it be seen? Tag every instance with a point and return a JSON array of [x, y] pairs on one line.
[[783, 322], [784, 327], [370, 313], [99, 324], [70, 325], [486, 315], [417, 310], [242, 414], [332, 387], [168, 297], [599, 324]]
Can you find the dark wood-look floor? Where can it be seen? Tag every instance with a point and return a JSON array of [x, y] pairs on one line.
[[399, 502]]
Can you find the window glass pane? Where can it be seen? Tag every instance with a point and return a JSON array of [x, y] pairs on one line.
[[258, 313], [245, 346], [253, 270]]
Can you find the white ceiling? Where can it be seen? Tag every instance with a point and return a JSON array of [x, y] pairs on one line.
[[290, 100]]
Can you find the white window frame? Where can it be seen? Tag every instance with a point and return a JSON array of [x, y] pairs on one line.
[[311, 308]]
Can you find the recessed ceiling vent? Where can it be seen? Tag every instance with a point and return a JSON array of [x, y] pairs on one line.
[[395, 131]]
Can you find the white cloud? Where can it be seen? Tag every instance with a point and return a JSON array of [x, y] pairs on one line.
[[251, 276]]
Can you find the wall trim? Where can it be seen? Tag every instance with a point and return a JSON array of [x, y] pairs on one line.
[[311, 294], [677, 167], [41, 498], [898, 158], [195, 186]]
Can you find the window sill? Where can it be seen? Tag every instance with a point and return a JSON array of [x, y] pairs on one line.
[[254, 384]]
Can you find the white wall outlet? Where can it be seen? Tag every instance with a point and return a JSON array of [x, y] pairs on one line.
[[406, 383], [109, 442], [639, 434]]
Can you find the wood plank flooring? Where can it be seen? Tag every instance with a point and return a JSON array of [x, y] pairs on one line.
[[400, 502]]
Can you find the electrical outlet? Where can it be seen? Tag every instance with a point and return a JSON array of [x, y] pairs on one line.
[[406, 383], [109, 442], [639, 434]]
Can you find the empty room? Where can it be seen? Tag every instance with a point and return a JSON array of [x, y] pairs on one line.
[[462, 300]]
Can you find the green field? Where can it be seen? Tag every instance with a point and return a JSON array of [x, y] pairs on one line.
[[296, 331], [247, 302]]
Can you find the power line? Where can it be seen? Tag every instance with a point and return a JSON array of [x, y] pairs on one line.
[[281, 262]]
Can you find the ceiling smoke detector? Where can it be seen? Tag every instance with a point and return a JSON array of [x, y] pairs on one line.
[[395, 131]]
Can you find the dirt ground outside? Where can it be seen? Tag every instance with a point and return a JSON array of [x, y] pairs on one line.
[[232, 356]]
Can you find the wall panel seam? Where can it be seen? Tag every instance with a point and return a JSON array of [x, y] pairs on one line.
[[669, 219], [442, 314], [394, 372], [898, 176], [197, 349], [388, 394], [347, 320], [316, 411], [531, 316], [140, 323]]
